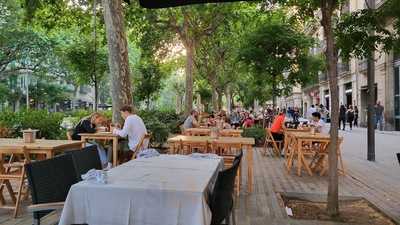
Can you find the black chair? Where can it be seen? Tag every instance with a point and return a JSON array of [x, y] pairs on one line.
[[398, 157], [221, 200], [49, 182], [86, 159]]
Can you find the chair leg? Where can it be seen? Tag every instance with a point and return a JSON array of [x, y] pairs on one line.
[[21, 184]]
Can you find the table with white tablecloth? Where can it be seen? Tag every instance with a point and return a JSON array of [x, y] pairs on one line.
[[167, 190]]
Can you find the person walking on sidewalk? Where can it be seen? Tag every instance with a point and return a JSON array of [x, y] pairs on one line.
[[355, 116], [379, 115], [342, 116], [350, 116]]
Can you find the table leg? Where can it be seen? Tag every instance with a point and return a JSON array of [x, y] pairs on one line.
[[115, 151], [83, 139], [249, 149], [49, 155], [299, 156]]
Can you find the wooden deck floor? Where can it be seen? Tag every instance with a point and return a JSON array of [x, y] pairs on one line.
[[369, 180]]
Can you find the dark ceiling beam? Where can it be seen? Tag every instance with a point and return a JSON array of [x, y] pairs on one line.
[[154, 4]]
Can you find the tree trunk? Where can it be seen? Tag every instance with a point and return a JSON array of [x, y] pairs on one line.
[[96, 96], [327, 9], [274, 91], [219, 100], [228, 100], [371, 100], [121, 90], [189, 69], [214, 96]]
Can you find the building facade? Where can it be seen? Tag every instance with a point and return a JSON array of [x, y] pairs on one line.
[[352, 80]]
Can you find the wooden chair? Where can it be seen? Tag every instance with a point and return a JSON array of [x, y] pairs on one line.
[[12, 168], [320, 160], [229, 152], [191, 147], [140, 146], [275, 146]]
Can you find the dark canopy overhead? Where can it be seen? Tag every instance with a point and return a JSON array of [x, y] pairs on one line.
[[172, 3]]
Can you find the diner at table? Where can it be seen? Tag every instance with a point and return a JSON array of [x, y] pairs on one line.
[[92, 124], [134, 128], [191, 121]]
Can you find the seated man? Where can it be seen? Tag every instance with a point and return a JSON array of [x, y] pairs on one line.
[[191, 120], [134, 128], [91, 124], [318, 123], [278, 125]]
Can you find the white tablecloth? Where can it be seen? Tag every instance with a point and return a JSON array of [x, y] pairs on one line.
[[164, 190]]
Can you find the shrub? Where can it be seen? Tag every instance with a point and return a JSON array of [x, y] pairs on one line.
[[47, 123], [256, 132]]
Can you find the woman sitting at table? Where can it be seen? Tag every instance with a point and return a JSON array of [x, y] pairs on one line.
[[92, 124], [133, 127], [278, 125]]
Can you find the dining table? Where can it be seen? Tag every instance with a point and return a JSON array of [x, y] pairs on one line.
[[207, 132], [244, 142], [166, 189], [41, 147], [315, 145], [103, 136]]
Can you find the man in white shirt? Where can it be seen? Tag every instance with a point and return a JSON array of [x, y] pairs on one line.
[[319, 124], [134, 128]]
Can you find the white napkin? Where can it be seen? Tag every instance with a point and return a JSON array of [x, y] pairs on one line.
[[204, 156], [148, 153], [97, 176]]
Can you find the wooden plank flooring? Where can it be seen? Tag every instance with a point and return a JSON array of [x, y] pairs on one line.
[[372, 181]]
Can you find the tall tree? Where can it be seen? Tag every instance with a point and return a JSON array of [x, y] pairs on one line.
[[325, 10], [190, 25], [118, 61], [278, 53]]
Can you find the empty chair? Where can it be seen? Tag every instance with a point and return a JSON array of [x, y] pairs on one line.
[[271, 144], [85, 159], [12, 162], [221, 200], [49, 182]]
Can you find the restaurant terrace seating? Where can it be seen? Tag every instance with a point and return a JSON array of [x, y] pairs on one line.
[[12, 168], [221, 199], [49, 182], [85, 160]]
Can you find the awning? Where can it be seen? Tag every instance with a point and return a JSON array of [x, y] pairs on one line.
[[153, 4]]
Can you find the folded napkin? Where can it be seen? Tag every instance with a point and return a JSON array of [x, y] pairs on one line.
[[204, 156], [97, 176], [148, 153]]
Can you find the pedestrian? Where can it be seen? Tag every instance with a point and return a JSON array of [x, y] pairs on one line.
[[350, 116], [379, 115], [355, 116], [342, 116]]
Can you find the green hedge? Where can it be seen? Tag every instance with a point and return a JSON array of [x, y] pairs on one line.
[[256, 132], [159, 123], [47, 123]]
